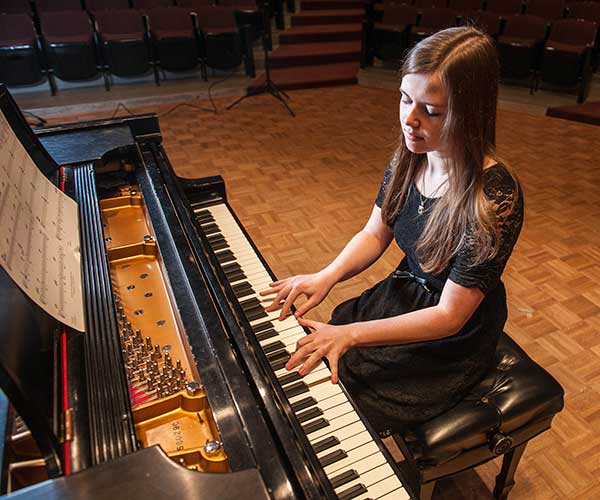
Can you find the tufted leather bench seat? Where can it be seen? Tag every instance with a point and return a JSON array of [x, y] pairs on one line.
[[515, 402]]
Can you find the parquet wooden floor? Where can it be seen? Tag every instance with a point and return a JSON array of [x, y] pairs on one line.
[[302, 187]]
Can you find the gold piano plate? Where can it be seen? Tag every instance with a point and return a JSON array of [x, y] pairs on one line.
[[183, 426], [170, 409]]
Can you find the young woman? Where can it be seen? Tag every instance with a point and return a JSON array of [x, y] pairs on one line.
[[412, 346]]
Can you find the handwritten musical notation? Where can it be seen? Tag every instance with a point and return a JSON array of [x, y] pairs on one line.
[[39, 241]]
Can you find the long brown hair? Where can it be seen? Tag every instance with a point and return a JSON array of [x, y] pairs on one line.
[[466, 61]]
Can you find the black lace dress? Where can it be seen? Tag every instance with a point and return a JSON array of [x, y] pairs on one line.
[[396, 386]]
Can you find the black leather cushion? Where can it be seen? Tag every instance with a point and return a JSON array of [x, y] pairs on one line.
[[515, 396]]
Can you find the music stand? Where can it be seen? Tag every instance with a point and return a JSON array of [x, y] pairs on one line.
[[269, 87]]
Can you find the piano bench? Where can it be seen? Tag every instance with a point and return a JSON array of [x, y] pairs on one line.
[[515, 402]]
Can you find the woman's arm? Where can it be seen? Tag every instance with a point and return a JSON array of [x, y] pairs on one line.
[[361, 251], [457, 304]]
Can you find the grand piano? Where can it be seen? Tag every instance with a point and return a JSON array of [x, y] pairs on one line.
[[177, 388]]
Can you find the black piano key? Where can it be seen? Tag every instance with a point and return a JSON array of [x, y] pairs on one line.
[[272, 347], [234, 276], [219, 245], [343, 478], [315, 425], [295, 390], [280, 363], [333, 457], [262, 326], [210, 228], [288, 378], [276, 356], [242, 289], [324, 444], [353, 492], [307, 415], [213, 238], [250, 303], [204, 216], [256, 313], [266, 334], [232, 266], [303, 404], [225, 256]]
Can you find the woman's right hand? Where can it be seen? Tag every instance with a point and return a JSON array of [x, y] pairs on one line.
[[314, 287]]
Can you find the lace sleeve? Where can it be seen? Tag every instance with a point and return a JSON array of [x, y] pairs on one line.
[[506, 196], [386, 178]]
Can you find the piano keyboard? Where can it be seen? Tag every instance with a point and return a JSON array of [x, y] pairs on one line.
[[352, 461]]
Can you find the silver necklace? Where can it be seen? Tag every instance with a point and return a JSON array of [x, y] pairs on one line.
[[423, 199]]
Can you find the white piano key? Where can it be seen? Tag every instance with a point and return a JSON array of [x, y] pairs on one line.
[[359, 457], [343, 433], [351, 443], [338, 423], [320, 392], [375, 481], [390, 489]]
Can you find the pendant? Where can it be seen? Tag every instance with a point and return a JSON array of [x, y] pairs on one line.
[[421, 209]]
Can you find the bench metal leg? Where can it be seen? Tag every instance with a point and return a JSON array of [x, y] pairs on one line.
[[506, 479]]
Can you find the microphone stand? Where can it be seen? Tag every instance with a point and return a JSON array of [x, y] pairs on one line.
[[269, 87]]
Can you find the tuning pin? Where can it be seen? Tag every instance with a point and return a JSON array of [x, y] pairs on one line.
[[148, 343], [168, 360], [178, 364]]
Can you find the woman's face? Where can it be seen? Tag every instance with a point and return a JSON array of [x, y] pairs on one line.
[[423, 107]]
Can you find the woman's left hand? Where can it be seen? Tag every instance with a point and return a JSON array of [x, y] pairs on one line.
[[326, 341]]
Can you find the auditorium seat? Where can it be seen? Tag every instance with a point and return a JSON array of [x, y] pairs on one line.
[[247, 13], [146, 5], [504, 8], [488, 22], [464, 8], [588, 11], [432, 20], [546, 9], [223, 45], [57, 5], [125, 49], [430, 4], [69, 44], [515, 402], [566, 59], [20, 57], [98, 5], [390, 37], [14, 7], [174, 38], [520, 46]]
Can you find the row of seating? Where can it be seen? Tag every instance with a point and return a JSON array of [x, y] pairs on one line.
[[29, 7], [560, 53], [546, 9], [71, 45]]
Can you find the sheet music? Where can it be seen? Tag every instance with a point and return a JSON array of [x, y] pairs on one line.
[[39, 239]]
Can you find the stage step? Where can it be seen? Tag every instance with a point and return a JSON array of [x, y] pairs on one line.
[[331, 4], [315, 54], [321, 33], [301, 77], [312, 17]]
